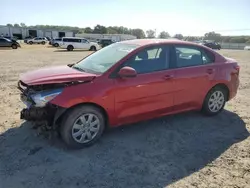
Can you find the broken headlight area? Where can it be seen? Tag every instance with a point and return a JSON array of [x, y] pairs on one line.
[[36, 99], [40, 99]]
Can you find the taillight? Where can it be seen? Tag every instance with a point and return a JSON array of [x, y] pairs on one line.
[[237, 68]]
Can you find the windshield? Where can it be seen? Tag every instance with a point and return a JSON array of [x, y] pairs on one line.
[[102, 60]]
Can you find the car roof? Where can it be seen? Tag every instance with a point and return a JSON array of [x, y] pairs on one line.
[[146, 42]]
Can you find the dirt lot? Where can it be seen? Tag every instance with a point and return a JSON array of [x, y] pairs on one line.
[[186, 150]]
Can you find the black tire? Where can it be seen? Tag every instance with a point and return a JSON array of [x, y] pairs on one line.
[[43, 42], [14, 46], [30, 42], [206, 109], [69, 120], [92, 48], [56, 44], [70, 48]]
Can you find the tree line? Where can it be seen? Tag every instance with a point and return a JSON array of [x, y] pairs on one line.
[[139, 33]]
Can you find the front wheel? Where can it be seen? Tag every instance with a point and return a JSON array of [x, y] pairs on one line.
[[82, 126], [56, 44], [70, 48], [215, 101], [92, 48], [14, 46], [30, 42], [43, 42]]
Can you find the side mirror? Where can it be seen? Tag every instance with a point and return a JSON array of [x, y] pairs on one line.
[[127, 72]]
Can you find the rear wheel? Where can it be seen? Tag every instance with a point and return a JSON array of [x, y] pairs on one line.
[[82, 126], [56, 44], [14, 46], [70, 48], [215, 101], [92, 48], [43, 42]]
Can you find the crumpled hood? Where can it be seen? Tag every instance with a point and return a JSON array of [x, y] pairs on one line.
[[58, 74]]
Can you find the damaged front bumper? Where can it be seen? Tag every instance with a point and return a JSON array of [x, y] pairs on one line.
[[48, 112], [38, 113]]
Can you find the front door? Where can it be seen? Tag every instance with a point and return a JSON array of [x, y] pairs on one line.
[[4, 43], [84, 44], [150, 93], [194, 72]]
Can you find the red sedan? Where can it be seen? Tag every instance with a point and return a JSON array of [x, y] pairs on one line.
[[127, 82]]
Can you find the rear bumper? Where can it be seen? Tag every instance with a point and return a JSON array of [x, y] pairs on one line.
[[234, 88]]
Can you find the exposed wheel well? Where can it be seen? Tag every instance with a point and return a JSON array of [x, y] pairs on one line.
[[223, 86], [104, 112]]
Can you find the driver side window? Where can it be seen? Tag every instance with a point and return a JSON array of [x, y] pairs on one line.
[[150, 60]]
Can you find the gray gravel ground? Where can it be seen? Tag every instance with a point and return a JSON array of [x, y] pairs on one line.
[[184, 150]]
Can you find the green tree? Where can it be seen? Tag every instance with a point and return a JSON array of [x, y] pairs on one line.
[[111, 30], [192, 38], [16, 25], [212, 36], [139, 33], [23, 25], [164, 35], [9, 25], [238, 40], [150, 33], [88, 30], [100, 29], [178, 36]]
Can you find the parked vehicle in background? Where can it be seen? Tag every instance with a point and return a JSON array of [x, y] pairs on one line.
[[56, 42], [212, 45], [247, 48], [4, 42], [27, 38], [104, 42], [37, 40], [127, 82], [71, 43], [48, 38]]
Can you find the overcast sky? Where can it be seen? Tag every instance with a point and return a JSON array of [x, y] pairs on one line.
[[189, 17]]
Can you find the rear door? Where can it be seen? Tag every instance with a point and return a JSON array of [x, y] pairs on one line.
[[150, 94], [195, 71]]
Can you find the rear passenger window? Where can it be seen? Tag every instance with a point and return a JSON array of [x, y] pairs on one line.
[[71, 40], [207, 57], [191, 56]]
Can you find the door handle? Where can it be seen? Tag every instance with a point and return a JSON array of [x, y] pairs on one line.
[[210, 71], [168, 77]]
